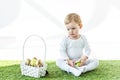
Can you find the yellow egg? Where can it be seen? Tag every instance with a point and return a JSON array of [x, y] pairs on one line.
[[77, 63], [33, 61], [39, 63], [27, 62]]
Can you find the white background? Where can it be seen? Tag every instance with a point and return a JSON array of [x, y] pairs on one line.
[[21, 18]]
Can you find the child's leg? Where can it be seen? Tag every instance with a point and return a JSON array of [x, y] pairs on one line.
[[90, 64], [62, 64]]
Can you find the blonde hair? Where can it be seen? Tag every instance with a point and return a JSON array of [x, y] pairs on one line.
[[73, 17]]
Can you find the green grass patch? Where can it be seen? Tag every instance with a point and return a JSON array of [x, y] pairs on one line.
[[107, 70]]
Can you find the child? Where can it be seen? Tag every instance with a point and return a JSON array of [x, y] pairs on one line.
[[72, 46]]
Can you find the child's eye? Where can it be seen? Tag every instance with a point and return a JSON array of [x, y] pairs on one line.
[[68, 29], [73, 28]]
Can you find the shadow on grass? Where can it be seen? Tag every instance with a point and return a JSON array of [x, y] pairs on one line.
[[107, 70]]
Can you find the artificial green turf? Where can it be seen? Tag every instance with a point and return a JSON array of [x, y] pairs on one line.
[[107, 70]]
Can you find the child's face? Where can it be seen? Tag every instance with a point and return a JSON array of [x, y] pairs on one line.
[[73, 30]]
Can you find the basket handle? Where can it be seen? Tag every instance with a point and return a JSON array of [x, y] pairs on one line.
[[35, 36]]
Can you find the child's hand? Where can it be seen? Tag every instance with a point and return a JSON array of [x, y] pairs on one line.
[[70, 62], [83, 60]]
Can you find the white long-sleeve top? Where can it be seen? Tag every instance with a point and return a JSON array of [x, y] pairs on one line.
[[74, 49]]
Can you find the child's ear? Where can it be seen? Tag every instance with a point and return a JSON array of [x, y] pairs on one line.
[[81, 25]]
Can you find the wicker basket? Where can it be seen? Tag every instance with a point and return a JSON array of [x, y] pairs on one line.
[[31, 71]]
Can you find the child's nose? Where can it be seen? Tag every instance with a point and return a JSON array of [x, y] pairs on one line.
[[70, 30]]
